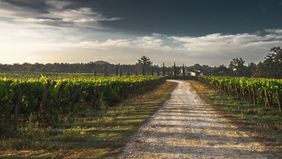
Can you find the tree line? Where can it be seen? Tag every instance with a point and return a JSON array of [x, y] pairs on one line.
[[270, 67]]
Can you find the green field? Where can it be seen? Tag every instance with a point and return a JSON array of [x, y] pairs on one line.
[[49, 96], [258, 91], [79, 125], [254, 100]]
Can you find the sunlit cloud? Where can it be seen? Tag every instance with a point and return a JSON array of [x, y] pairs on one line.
[[236, 44], [74, 33]]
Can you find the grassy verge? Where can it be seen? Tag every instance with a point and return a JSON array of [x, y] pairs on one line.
[[88, 134], [266, 123]]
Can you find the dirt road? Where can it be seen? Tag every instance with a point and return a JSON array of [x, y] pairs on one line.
[[187, 127]]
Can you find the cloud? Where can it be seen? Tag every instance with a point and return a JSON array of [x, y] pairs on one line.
[[84, 17], [52, 13], [274, 31], [109, 43], [143, 42], [210, 49], [63, 28], [72, 46], [212, 43], [58, 4], [220, 44]]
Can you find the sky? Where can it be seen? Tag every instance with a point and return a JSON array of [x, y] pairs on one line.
[[187, 32]]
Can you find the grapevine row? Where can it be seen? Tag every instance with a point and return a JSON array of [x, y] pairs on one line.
[[257, 91], [47, 97]]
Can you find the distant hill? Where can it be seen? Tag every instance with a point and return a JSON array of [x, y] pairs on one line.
[[101, 63]]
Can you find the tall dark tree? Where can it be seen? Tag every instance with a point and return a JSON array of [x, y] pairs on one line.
[[238, 67], [251, 68], [120, 72], [174, 69], [95, 70], [117, 69], [163, 69], [221, 70], [145, 62], [272, 65], [127, 71], [183, 70]]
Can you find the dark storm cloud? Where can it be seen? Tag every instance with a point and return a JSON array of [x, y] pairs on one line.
[[195, 17], [190, 17], [38, 5], [52, 12], [171, 17]]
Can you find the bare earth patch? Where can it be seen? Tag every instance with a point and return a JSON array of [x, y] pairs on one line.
[[187, 127]]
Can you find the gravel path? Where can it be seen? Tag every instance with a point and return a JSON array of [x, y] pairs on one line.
[[187, 127]]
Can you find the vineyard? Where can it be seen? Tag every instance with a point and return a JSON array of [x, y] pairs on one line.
[[258, 91], [46, 97]]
